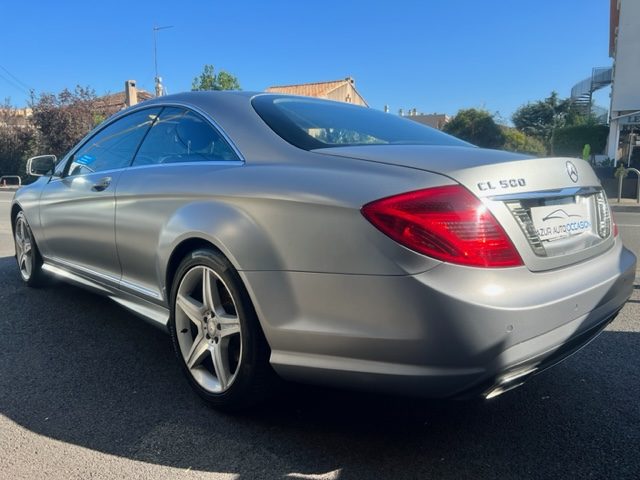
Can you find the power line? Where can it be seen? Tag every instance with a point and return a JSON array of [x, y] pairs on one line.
[[14, 84], [16, 78]]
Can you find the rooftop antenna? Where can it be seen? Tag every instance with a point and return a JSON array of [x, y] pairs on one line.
[[158, 80]]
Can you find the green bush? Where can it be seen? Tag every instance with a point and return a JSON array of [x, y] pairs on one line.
[[571, 140], [516, 141]]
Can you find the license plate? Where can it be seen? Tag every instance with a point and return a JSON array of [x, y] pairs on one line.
[[560, 221]]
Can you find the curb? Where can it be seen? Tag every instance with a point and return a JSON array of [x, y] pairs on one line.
[[625, 208]]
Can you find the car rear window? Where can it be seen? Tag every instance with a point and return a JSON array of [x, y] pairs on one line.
[[310, 124]]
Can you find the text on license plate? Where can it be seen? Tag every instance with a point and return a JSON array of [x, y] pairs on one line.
[[560, 221]]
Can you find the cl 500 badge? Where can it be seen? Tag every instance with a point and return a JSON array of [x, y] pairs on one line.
[[502, 184]]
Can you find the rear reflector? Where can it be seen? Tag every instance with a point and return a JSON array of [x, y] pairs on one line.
[[447, 223]]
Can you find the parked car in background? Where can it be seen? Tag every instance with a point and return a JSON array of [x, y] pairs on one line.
[[327, 243]]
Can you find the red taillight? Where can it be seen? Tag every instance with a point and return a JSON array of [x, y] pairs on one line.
[[615, 228], [448, 223]]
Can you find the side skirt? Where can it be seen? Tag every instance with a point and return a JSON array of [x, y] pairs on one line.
[[148, 311]]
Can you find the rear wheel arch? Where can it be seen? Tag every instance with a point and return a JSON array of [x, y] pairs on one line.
[[180, 251]]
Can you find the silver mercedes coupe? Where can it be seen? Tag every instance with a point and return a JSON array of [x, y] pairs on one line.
[[327, 243]]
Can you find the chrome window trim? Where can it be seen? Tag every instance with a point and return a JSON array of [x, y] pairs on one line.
[[84, 175], [212, 163], [208, 118], [117, 116], [99, 128], [221, 163]]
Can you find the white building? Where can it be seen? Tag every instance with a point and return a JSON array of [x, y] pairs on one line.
[[624, 48]]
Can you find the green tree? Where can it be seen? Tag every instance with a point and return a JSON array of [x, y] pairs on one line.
[[540, 119], [209, 80], [516, 141], [477, 127]]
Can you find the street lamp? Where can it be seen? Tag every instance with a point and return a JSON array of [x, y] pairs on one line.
[[158, 80]]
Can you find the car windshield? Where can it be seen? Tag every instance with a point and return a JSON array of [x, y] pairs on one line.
[[311, 124]]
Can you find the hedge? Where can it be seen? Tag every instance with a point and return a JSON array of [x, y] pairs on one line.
[[571, 140]]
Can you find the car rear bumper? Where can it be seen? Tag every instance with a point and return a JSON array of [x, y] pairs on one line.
[[516, 374], [442, 333]]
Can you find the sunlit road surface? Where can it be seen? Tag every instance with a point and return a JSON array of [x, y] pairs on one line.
[[629, 226], [6, 242], [87, 390]]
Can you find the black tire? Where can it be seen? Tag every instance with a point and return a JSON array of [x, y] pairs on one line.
[[34, 276], [253, 375]]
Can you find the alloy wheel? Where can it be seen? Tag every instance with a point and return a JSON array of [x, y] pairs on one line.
[[208, 329], [24, 248]]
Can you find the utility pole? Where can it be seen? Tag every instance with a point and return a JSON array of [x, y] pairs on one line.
[[158, 79]]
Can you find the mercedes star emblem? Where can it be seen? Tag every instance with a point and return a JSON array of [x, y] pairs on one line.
[[572, 171]]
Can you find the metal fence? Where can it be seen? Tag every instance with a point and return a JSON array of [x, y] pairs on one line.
[[621, 178], [10, 181]]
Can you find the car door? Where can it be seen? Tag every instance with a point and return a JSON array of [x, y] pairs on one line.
[[77, 208], [171, 169]]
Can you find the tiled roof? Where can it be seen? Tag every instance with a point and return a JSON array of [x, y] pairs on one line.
[[317, 89], [117, 99]]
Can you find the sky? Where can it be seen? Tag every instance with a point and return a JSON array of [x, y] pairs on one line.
[[435, 56]]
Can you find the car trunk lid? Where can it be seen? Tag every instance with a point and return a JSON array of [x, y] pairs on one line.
[[553, 209]]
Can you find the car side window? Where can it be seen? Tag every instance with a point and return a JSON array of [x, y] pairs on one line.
[[115, 145], [181, 135]]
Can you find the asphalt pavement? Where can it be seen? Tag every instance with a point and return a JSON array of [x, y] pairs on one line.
[[6, 242], [87, 390]]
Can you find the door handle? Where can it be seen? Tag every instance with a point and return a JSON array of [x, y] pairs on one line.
[[101, 184]]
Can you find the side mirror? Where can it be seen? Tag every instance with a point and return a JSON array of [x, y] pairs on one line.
[[41, 165]]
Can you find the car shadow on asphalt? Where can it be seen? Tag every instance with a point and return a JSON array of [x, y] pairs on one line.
[[77, 368]]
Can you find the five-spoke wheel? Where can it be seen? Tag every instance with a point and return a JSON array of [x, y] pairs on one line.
[[27, 256], [209, 331], [216, 333]]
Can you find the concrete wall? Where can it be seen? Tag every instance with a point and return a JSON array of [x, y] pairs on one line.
[[626, 74], [625, 89]]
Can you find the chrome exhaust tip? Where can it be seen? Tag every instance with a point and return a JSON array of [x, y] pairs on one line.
[[508, 382]]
